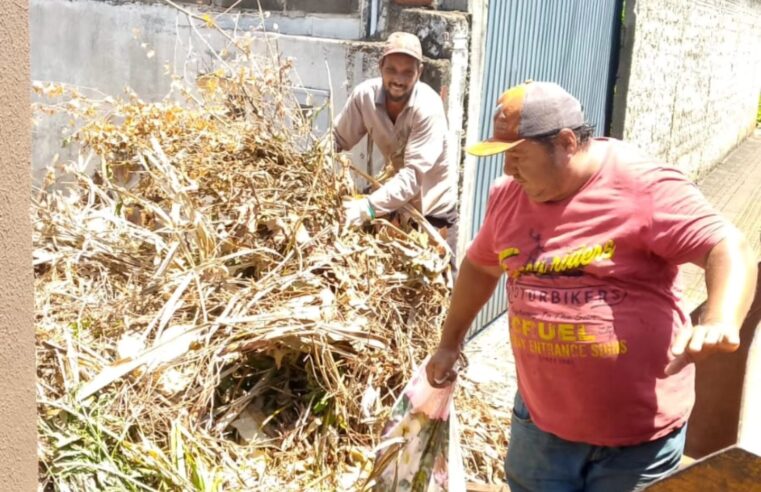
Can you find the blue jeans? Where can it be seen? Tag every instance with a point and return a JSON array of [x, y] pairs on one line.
[[540, 461]]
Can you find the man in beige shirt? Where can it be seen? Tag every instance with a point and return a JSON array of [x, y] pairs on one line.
[[405, 119]]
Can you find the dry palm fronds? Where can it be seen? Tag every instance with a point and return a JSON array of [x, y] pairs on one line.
[[203, 320]]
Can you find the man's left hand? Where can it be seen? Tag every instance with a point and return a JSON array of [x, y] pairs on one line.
[[695, 343]]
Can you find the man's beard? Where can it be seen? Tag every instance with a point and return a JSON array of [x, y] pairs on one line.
[[401, 98]]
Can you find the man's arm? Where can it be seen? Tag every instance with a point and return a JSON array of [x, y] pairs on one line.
[[730, 273], [475, 285], [423, 149], [349, 127]]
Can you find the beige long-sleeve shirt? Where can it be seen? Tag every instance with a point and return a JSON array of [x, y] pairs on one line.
[[416, 146]]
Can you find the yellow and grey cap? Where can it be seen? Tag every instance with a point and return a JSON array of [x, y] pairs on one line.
[[529, 110]]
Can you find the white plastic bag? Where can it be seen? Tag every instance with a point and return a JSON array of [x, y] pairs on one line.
[[420, 451]]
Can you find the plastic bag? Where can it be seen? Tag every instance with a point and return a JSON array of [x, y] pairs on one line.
[[420, 451]]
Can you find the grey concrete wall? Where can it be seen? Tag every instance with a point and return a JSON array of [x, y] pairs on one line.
[[106, 54], [18, 437], [335, 19], [323, 6], [694, 78]]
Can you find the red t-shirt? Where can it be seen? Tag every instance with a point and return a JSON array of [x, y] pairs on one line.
[[593, 298]]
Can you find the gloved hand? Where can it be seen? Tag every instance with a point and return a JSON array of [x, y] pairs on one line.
[[357, 212]]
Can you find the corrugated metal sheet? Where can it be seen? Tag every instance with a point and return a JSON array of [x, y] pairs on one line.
[[569, 42]]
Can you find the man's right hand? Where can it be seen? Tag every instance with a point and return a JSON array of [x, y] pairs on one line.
[[440, 368], [475, 285], [357, 212]]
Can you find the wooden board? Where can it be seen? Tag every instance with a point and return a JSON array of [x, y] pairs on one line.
[[730, 470]]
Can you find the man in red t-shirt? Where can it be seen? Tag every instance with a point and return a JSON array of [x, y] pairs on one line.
[[590, 233]]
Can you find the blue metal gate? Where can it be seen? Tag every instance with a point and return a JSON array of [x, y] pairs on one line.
[[571, 42]]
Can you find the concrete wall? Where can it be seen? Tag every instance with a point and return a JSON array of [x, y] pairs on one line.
[[335, 19], [106, 54], [323, 6], [694, 78], [18, 443]]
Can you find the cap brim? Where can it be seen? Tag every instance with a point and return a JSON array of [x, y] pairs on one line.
[[491, 147]]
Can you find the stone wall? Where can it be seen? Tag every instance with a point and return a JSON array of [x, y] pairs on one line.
[[694, 78]]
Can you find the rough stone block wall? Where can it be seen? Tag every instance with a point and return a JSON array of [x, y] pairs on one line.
[[695, 78]]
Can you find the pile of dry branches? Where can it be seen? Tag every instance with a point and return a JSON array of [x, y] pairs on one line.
[[203, 320], [199, 290]]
